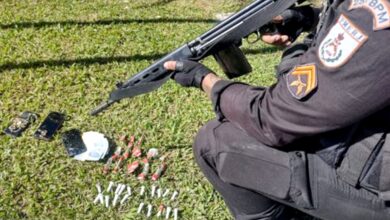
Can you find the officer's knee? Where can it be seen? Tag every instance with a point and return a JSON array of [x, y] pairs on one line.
[[203, 142]]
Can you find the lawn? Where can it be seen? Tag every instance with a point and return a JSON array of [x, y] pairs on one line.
[[64, 55]]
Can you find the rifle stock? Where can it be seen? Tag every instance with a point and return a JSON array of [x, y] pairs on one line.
[[222, 41]]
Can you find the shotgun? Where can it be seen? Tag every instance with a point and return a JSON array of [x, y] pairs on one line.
[[223, 42]]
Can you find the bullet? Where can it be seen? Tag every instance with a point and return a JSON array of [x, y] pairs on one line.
[[136, 152], [107, 166], [99, 198], [168, 213], [118, 165], [129, 190], [145, 171], [131, 142], [160, 210], [116, 197], [166, 193], [96, 199], [118, 192], [153, 191], [175, 213], [142, 191], [126, 155], [156, 175], [99, 188], [159, 192], [131, 168], [107, 201], [124, 199], [118, 188], [117, 153], [110, 185], [123, 187], [174, 195], [141, 205], [149, 211]]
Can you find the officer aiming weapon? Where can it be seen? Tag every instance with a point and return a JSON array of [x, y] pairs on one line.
[[222, 41]]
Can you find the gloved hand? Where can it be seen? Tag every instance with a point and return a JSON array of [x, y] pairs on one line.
[[188, 73], [286, 27]]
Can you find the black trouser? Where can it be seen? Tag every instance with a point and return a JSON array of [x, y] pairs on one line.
[[258, 182]]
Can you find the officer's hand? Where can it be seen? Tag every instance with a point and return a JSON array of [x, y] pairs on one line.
[[276, 39], [290, 24], [187, 73]]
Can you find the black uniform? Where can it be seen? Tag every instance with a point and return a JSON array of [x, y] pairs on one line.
[[318, 139]]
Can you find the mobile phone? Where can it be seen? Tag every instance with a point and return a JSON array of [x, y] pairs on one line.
[[73, 142], [20, 124], [49, 126]]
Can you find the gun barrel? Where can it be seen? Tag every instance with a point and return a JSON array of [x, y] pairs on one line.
[[101, 107]]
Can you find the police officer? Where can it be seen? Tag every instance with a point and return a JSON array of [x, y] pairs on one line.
[[317, 140]]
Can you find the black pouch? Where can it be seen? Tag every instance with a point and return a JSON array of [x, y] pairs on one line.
[[360, 158], [241, 160], [267, 175], [334, 145], [376, 174], [270, 172]]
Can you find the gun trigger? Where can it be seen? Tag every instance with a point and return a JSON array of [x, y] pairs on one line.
[[256, 37]]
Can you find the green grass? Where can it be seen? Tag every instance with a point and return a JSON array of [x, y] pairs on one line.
[[63, 55]]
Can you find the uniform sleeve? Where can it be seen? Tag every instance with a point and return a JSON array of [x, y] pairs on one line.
[[339, 81]]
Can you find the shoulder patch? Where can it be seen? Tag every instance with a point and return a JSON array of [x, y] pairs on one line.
[[339, 45], [302, 80], [380, 10]]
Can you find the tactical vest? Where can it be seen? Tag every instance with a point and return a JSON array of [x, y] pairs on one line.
[[360, 153]]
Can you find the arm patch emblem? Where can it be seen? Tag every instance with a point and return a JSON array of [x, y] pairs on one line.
[[302, 80], [341, 43], [380, 10]]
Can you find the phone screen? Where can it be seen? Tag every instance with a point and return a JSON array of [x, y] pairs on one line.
[[49, 126], [73, 142]]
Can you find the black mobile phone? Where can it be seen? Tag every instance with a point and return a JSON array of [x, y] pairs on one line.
[[73, 142], [49, 126]]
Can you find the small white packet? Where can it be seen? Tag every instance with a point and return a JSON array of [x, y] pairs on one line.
[[97, 146]]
